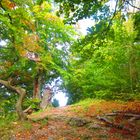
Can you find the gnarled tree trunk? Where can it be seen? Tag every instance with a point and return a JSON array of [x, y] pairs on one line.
[[19, 110], [21, 93]]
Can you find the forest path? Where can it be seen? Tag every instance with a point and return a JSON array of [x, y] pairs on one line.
[[79, 122]]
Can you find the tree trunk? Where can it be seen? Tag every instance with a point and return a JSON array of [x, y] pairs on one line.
[[21, 114], [37, 86], [21, 93]]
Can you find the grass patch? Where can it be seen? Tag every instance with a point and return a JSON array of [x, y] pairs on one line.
[[87, 102], [50, 107]]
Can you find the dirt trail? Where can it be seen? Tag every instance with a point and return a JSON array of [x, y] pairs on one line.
[[77, 123]]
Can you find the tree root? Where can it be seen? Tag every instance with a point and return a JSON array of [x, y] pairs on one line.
[[132, 119], [130, 116], [123, 114], [111, 124]]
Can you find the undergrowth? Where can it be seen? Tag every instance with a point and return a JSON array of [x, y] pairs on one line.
[[6, 127]]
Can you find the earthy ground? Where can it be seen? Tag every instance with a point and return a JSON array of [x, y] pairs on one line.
[[81, 122]]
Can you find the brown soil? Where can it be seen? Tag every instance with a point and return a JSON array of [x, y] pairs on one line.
[[81, 123]]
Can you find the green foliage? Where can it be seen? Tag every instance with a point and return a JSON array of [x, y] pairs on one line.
[[34, 103], [109, 95], [38, 31], [99, 10], [6, 127], [104, 94], [85, 103], [7, 105], [75, 10], [136, 18], [106, 68], [104, 64], [32, 34], [6, 120]]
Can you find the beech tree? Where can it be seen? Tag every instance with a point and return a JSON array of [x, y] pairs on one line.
[[30, 55]]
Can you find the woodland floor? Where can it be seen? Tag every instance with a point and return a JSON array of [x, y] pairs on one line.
[[81, 122]]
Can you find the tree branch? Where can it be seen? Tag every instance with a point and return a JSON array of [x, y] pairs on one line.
[[14, 88], [113, 14], [133, 5]]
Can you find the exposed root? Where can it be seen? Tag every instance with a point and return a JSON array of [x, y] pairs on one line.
[[111, 124], [130, 118], [123, 114]]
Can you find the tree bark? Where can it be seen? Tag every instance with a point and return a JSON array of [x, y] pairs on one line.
[[21, 93], [37, 86], [19, 110]]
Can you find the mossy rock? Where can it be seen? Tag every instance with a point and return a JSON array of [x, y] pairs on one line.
[[79, 122]]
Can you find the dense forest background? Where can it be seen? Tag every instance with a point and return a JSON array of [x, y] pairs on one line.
[[38, 44]]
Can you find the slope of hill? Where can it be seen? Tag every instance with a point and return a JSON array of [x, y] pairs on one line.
[[87, 120]]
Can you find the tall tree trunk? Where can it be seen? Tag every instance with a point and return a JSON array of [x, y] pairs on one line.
[[37, 87], [21, 93]]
